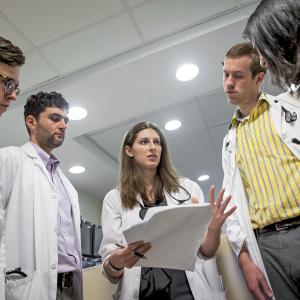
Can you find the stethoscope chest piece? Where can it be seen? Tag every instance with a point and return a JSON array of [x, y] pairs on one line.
[[289, 116]]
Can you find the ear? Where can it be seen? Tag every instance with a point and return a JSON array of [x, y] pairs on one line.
[[31, 122], [128, 151], [260, 77]]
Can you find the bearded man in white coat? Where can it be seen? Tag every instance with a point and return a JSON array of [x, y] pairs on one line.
[[11, 59], [43, 256]]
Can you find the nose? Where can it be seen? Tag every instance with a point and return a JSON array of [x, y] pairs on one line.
[[229, 82], [12, 96], [63, 124], [152, 146]]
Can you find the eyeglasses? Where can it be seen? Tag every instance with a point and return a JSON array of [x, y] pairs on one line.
[[9, 85]]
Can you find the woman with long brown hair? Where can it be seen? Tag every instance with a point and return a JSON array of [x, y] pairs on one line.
[[148, 179]]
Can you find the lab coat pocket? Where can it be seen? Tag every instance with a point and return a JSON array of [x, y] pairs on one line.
[[21, 289]]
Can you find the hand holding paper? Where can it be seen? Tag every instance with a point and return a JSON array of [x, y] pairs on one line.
[[175, 234]]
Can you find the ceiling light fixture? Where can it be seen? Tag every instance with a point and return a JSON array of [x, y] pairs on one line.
[[77, 113], [187, 72], [203, 177], [173, 125], [77, 169]]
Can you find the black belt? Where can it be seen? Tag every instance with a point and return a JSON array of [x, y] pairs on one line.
[[278, 226], [65, 280]]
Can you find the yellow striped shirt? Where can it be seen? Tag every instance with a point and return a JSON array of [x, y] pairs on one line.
[[269, 170]]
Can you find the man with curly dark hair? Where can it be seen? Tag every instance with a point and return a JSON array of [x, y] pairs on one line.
[[41, 207]]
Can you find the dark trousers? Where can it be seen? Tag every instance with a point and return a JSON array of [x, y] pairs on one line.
[[280, 252]]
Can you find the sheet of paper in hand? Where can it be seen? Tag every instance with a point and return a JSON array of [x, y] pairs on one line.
[[175, 234]]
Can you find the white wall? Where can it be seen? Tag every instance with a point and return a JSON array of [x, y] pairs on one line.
[[90, 207]]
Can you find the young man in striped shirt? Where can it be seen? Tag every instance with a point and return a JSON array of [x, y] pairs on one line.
[[261, 166]]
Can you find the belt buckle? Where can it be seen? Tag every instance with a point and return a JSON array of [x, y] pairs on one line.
[[280, 226]]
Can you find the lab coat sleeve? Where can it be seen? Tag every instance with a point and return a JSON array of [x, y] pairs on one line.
[[111, 221]]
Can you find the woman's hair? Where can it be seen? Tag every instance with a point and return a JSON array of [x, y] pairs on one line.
[[273, 29], [131, 179]]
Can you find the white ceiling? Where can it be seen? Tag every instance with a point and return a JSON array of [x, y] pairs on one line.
[[117, 58]]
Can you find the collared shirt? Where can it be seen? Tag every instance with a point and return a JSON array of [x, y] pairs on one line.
[[270, 172], [68, 256]]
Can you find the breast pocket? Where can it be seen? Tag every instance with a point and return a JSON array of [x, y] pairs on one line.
[[21, 289]]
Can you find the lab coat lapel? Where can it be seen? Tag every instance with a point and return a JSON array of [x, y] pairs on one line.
[[31, 152]]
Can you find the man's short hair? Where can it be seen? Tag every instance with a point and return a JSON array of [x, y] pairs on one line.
[[246, 49], [10, 54], [37, 103]]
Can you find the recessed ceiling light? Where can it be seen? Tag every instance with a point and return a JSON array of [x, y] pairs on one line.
[[172, 125], [77, 169], [203, 177], [77, 113], [187, 72]]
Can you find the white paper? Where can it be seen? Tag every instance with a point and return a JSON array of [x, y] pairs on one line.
[[175, 234]]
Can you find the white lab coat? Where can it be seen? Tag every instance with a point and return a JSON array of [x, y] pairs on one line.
[[31, 206], [116, 219], [238, 225]]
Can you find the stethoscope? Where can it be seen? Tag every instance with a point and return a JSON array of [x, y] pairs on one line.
[[289, 116], [187, 197]]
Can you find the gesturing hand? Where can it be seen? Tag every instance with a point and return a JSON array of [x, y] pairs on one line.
[[211, 241], [218, 208]]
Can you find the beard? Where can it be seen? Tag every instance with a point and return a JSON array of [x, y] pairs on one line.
[[47, 140], [53, 141]]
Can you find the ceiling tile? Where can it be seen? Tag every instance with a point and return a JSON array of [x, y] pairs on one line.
[[192, 153], [111, 139], [215, 178], [92, 45], [159, 18], [248, 1], [91, 179], [10, 34], [216, 105], [187, 113], [136, 2], [56, 18], [217, 135], [35, 71]]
